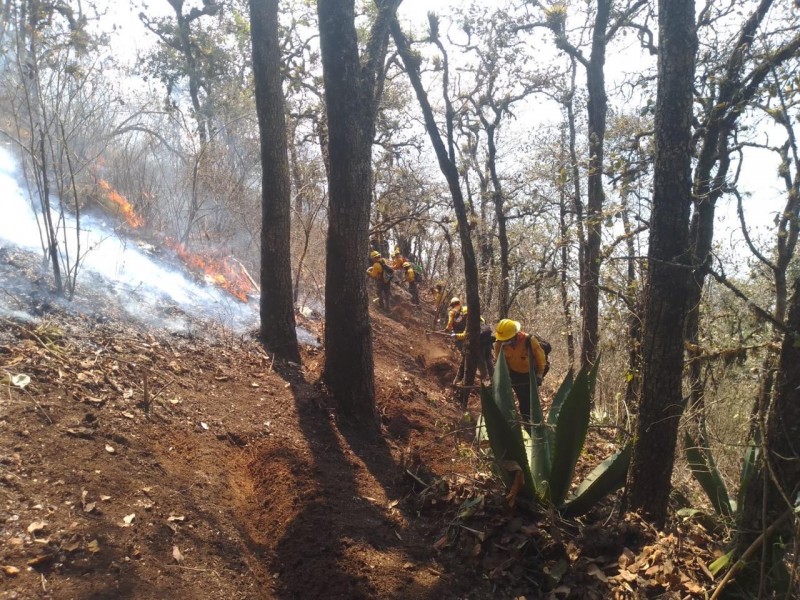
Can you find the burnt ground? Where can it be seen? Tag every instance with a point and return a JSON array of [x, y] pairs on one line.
[[139, 463]]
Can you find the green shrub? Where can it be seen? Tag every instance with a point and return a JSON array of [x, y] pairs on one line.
[[544, 453]]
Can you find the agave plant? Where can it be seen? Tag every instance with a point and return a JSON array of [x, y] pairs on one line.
[[538, 462], [704, 468]]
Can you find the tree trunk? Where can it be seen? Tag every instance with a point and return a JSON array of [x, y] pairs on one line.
[[450, 171], [503, 303], [278, 331], [595, 83], [662, 345], [352, 91]]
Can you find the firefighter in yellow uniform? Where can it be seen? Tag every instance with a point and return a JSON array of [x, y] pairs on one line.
[[518, 348], [411, 279], [397, 259], [382, 275]]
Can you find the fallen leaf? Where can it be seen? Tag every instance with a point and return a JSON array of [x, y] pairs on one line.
[[105, 498], [89, 507], [128, 519], [10, 571], [110, 449], [93, 546], [21, 380], [203, 425], [693, 588], [73, 544], [36, 527], [176, 554], [172, 518], [127, 415], [40, 560], [597, 572]]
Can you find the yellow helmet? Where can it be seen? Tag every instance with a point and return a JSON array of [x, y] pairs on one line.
[[374, 254], [454, 300], [396, 251], [506, 329], [406, 264]]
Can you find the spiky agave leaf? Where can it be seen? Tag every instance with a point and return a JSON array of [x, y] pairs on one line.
[[555, 409], [749, 463], [707, 476], [605, 478], [502, 426], [539, 448], [570, 433]]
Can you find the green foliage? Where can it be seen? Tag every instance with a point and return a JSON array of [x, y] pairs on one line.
[[546, 454], [704, 468], [708, 476]]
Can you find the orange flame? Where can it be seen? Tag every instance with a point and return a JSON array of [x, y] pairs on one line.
[[219, 272], [122, 203]]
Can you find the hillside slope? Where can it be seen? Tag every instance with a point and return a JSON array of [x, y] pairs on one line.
[[139, 463]]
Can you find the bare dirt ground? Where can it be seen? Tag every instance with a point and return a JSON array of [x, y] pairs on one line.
[[146, 465]]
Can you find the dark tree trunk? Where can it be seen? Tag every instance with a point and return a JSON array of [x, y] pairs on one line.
[[566, 302], [634, 317], [595, 83], [450, 171], [735, 90], [278, 331], [352, 91], [662, 345], [503, 295]]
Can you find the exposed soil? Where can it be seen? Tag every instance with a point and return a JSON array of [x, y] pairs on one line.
[[141, 464]]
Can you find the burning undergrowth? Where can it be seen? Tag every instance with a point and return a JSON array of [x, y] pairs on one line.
[[123, 271]]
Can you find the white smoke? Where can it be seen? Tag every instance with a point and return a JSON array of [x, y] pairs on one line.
[[143, 286]]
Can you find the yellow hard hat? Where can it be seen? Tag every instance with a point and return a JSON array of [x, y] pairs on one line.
[[374, 254], [454, 300], [506, 329], [406, 264], [396, 251]]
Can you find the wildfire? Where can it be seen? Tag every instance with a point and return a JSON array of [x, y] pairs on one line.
[[230, 276], [122, 204]]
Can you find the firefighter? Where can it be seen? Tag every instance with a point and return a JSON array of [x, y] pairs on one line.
[[397, 259], [411, 279], [518, 348], [456, 325], [382, 273], [485, 343]]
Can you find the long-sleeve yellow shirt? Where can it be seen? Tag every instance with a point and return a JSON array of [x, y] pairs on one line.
[[517, 354], [376, 270]]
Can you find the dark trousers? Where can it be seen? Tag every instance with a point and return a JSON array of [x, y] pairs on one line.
[[485, 362], [414, 291], [384, 295], [521, 384]]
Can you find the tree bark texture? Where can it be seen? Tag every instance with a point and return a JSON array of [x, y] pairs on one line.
[[665, 314], [352, 90], [595, 197], [278, 331]]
